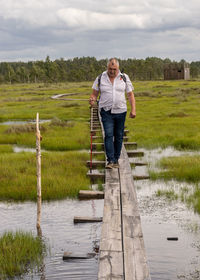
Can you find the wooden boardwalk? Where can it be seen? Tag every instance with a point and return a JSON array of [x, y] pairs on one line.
[[122, 252]]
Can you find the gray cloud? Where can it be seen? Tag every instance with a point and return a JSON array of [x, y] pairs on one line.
[[30, 30]]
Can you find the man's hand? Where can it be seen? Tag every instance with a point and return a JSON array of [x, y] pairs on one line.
[[93, 97], [92, 101], [132, 115]]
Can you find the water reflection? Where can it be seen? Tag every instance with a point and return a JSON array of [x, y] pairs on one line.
[[23, 122], [161, 219], [60, 233], [168, 260]]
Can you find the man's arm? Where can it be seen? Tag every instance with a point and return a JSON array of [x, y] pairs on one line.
[[93, 97], [132, 103]]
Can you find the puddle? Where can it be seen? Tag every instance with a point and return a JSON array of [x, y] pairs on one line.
[[17, 149], [162, 219], [153, 156], [61, 234], [168, 260], [23, 122], [21, 149]]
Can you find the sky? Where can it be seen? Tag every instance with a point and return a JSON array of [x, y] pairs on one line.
[[32, 29]]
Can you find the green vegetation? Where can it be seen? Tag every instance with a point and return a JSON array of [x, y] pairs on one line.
[[19, 253], [167, 115], [84, 69], [74, 136], [184, 168], [169, 194], [6, 149], [190, 196], [63, 175], [193, 199], [165, 112]]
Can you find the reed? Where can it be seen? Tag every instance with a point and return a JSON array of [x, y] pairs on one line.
[[58, 135], [20, 253], [63, 175], [6, 149], [184, 168]]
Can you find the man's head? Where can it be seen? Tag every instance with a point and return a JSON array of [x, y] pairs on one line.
[[113, 67]]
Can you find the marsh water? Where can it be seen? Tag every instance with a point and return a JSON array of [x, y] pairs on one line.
[[168, 260], [19, 122]]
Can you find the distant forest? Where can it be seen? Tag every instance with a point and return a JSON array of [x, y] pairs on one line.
[[85, 69]]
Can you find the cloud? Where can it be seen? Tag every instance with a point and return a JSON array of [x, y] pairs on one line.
[[100, 28], [75, 18]]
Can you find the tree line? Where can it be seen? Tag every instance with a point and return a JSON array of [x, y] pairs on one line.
[[85, 69]]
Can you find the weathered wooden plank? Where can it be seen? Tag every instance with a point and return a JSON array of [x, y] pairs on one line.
[[97, 137], [135, 153], [78, 219], [138, 164], [90, 194], [72, 256], [141, 177], [101, 137], [111, 254], [122, 256], [96, 163], [128, 145], [96, 176], [135, 262], [110, 265]]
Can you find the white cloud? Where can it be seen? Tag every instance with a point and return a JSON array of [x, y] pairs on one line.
[[99, 28], [83, 19]]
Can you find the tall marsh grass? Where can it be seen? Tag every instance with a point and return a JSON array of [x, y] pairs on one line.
[[58, 135], [63, 175], [167, 114], [184, 168], [19, 253]]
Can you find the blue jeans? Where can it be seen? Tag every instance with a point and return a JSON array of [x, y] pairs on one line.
[[114, 131]]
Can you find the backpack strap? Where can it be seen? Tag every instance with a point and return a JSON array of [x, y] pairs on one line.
[[123, 77], [99, 81]]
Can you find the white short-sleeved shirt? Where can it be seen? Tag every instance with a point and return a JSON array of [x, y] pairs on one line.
[[113, 95]]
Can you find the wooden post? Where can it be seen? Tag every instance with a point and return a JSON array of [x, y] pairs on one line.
[[38, 157]]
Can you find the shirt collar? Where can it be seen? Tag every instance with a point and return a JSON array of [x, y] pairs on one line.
[[119, 74]]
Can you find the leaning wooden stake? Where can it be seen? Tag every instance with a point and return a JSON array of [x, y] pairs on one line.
[[38, 157]]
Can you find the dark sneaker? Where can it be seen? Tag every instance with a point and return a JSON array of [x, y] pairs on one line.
[[109, 165], [116, 164]]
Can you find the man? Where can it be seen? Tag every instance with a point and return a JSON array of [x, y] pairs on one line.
[[112, 85]]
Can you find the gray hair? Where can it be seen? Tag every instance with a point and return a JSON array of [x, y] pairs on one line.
[[113, 59]]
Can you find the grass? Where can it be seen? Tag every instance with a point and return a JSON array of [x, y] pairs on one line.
[[167, 114], [193, 200], [22, 102], [184, 168], [6, 149], [63, 175], [190, 196], [19, 253], [57, 135], [169, 194]]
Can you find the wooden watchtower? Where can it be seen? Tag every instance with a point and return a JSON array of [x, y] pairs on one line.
[[177, 71]]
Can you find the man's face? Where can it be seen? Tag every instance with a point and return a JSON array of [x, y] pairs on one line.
[[113, 69]]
